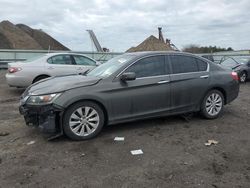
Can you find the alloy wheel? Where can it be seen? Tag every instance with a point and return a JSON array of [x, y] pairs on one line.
[[214, 104], [243, 77], [84, 121]]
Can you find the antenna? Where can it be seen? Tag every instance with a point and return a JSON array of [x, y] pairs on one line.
[[49, 49]]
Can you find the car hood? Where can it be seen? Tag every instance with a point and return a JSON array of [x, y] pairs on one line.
[[61, 83]]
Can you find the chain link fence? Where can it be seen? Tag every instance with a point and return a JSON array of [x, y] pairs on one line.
[[7, 56]]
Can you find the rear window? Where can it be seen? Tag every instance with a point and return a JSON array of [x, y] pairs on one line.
[[202, 65], [33, 59], [183, 64]]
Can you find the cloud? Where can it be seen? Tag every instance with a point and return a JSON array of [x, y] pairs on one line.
[[122, 24]]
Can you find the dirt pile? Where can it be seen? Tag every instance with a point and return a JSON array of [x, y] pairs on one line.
[[21, 36], [151, 44], [4, 43], [42, 38], [17, 38]]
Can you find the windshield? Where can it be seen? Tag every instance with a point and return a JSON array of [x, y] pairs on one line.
[[229, 63], [110, 66], [242, 60], [31, 59]]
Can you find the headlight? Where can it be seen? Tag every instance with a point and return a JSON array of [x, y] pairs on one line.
[[42, 99]]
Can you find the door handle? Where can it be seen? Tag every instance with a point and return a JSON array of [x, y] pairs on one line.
[[205, 76], [51, 67], [163, 82], [79, 68]]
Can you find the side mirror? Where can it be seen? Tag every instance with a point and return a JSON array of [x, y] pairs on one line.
[[85, 72], [127, 76]]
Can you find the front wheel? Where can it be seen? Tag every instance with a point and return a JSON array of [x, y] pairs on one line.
[[83, 120], [212, 104]]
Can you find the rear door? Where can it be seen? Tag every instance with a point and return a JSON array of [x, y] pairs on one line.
[[83, 63], [189, 82], [148, 94], [60, 65]]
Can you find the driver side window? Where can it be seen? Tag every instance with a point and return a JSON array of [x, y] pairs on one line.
[[149, 66]]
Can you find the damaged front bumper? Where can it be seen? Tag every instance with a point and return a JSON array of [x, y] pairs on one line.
[[45, 117]]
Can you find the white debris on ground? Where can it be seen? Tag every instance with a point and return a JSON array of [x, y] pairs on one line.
[[31, 142], [211, 142], [136, 152], [119, 138]]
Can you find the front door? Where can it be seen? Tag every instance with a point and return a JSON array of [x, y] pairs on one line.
[[148, 94]]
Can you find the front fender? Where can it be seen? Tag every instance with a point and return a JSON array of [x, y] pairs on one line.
[[72, 96]]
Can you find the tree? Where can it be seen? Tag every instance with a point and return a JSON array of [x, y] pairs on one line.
[[193, 48]]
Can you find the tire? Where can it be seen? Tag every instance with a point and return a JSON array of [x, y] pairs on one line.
[[243, 77], [78, 126], [212, 104], [39, 78]]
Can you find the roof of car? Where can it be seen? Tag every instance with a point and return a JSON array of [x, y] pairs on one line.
[[132, 53], [60, 53], [146, 53], [158, 52], [69, 53]]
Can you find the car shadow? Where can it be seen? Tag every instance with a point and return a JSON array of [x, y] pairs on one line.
[[140, 125], [149, 123]]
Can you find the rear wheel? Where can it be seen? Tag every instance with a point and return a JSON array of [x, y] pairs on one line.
[[40, 78], [212, 104], [83, 120], [243, 77]]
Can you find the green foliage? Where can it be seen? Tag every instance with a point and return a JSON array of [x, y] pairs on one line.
[[192, 48]]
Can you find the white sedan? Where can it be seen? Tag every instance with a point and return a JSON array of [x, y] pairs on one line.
[[23, 74]]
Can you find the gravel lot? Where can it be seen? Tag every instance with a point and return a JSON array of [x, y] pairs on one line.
[[174, 151]]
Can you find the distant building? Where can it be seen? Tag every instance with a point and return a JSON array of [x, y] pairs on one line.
[[154, 44], [150, 44]]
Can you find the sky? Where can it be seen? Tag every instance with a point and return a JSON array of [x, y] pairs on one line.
[[120, 24]]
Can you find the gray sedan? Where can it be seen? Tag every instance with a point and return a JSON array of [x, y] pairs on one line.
[[240, 64], [129, 87]]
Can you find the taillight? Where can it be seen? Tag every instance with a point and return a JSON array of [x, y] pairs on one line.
[[14, 69], [235, 76]]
